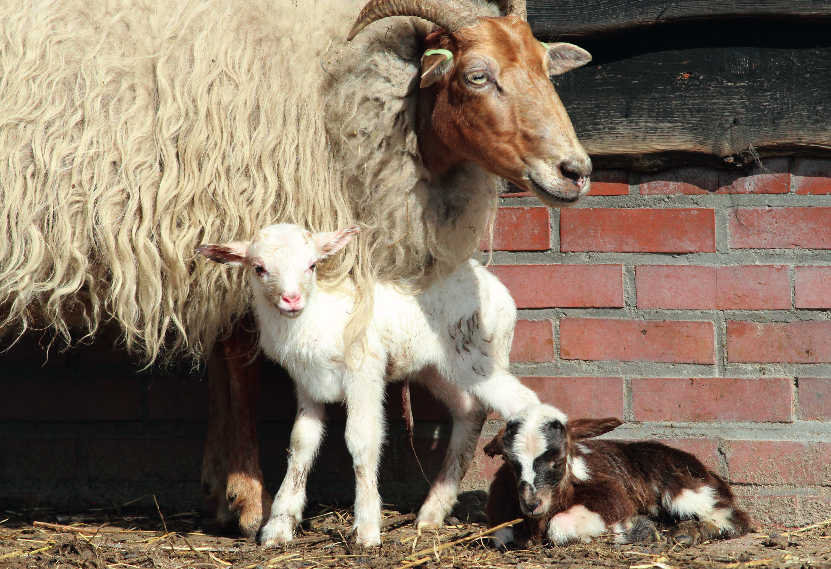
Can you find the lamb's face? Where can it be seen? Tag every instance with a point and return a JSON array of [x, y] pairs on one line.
[[281, 263], [535, 444]]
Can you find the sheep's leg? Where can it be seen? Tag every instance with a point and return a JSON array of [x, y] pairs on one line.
[[468, 418], [306, 436], [499, 390], [578, 523], [231, 475], [364, 436]]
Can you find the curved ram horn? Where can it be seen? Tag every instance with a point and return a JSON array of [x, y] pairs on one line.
[[449, 16]]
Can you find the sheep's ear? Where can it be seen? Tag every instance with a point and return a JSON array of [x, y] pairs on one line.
[[434, 64], [233, 254], [564, 57], [588, 428], [334, 241], [495, 447]]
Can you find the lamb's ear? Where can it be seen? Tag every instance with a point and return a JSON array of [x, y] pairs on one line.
[[233, 254], [333, 241], [588, 428], [564, 57], [434, 64], [495, 447]]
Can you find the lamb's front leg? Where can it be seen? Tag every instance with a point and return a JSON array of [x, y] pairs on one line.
[[364, 436], [287, 510]]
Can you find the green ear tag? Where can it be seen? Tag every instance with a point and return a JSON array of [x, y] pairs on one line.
[[545, 45], [446, 53]]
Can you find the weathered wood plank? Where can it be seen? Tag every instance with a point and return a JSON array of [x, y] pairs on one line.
[[711, 94], [589, 17]]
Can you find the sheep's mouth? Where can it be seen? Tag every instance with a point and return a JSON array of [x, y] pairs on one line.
[[290, 312], [537, 512], [552, 196]]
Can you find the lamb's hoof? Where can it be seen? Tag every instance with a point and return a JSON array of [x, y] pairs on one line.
[[248, 504], [278, 531], [367, 537], [692, 532], [639, 529], [422, 524]]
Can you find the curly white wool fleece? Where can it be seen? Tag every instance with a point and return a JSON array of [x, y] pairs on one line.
[[132, 131]]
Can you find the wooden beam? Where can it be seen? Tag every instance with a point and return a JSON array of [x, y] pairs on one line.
[[590, 17], [715, 94]]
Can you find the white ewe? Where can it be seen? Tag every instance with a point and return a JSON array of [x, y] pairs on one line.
[[458, 331]]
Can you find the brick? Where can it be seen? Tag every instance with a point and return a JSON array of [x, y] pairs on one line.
[[815, 398], [144, 459], [776, 510], [713, 288], [779, 462], [812, 176], [566, 286], [50, 459], [64, 399], [521, 229], [712, 399], [595, 397], [686, 230], [634, 340], [774, 178], [812, 287], [533, 341], [609, 183], [780, 227], [688, 180], [797, 342]]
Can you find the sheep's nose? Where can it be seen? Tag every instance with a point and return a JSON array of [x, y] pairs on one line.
[[291, 298], [576, 170], [529, 499]]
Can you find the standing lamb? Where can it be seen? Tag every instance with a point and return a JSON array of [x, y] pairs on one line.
[[567, 487], [458, 331], [130, 132]]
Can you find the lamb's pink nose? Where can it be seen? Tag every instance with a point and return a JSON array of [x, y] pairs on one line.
[[291, 298]]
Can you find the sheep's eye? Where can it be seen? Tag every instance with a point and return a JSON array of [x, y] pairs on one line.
[[259, 269], [312, 266], [478, 78]]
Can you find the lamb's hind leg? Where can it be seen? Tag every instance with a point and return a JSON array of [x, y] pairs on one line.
[[231, 475], [306, 436], [499, 390], [468, 418]]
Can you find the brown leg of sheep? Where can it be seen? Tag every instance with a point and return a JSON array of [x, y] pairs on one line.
[[231, 475]]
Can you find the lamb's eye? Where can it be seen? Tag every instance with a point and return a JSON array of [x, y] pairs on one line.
[[478, 78], [259, 269], [312, 266]]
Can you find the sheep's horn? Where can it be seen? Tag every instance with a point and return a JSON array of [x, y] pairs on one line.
[[451, 17], [514, 7]]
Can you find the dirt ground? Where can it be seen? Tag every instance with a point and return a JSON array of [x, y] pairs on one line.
[[117, 539]]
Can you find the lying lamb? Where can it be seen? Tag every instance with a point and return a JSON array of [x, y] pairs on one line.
[[456, 335], [567, 488]]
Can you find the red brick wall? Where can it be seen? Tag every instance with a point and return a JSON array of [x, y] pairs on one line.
[[691, 303]]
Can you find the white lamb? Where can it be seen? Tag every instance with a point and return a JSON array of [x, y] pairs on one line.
[[453, 337]]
